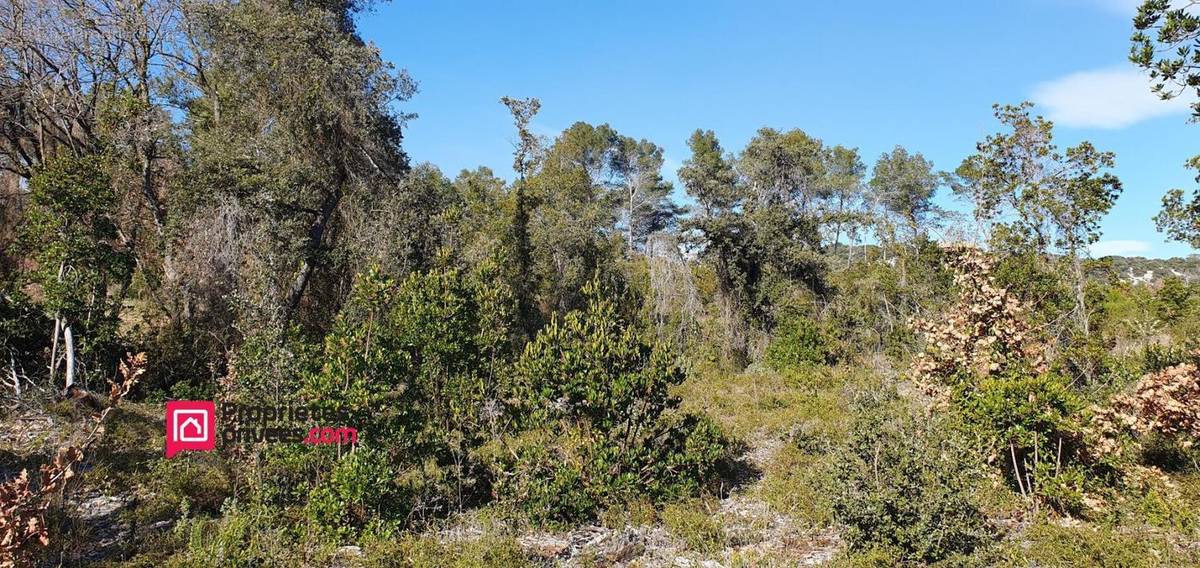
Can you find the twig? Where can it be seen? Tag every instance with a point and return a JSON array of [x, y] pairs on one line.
[[1016, 470]]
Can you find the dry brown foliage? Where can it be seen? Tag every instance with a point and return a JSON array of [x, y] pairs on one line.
[[130, 369], [23, 508], [1166, 403], [983, 333]]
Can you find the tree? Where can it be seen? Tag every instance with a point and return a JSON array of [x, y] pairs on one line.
[[1166, 43], [846, 210], [710, 177], [576, 196], [81, 268], [723, 232], [787, 177], [1078, 203], [783, 168], [484, 223], [1009, 173], [1180, 219], [525, 155], [403, 228], [646, 197], [82, 78], [761, 217], [291, 118], [1055, 200], [904, 185]]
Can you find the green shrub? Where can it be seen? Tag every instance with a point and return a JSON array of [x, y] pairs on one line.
[[798, 342], [1023, 272], [414, 364], [70, 234], [199, 483], [185, 362], [600, 422], [1156, 357], [543, 473], [405, 360], [563, 473], [247, 536], [1089, 361], [285, 473], [1173, 299], [878, 294], [1162, 507], [904, 487], [1031, 423], [361, 487]]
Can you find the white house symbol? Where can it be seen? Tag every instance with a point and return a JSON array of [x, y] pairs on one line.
[[191, 425]]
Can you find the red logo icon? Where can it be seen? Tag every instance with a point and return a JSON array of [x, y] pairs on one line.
[[191, 425]]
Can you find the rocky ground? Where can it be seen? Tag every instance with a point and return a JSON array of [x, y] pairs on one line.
[[756, 534]]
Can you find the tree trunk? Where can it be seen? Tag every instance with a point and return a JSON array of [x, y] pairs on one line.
[[69, 342], [54, 349], [62, 266], [156, 208], [316, 241], [1081, 315], [629, 223]]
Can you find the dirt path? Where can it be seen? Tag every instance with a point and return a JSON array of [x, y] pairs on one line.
[[756, 535]]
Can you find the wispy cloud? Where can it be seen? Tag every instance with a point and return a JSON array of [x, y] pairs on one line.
[[1114, 97], [1119, 248]]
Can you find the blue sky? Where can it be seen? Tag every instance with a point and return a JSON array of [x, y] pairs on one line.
[[865, 74]]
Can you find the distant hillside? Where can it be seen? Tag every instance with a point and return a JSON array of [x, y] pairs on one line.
[[1141, 270]]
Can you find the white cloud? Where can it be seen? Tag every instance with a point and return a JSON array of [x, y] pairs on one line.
[[1115, 97], [1119, 248]]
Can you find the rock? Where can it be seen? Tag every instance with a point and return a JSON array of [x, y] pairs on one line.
[[95, 506], [625, 546], [543, 545], [346, 557]]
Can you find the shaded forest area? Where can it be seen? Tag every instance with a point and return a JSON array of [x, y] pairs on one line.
[[809, 362]]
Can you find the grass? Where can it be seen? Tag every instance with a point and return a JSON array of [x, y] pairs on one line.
[[811, 402], [794, 484], [488, 551], [803, 414], [1050, 544], [634, 513], [693, 523]]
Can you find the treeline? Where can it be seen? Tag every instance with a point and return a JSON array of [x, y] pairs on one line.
[[191, 176]]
